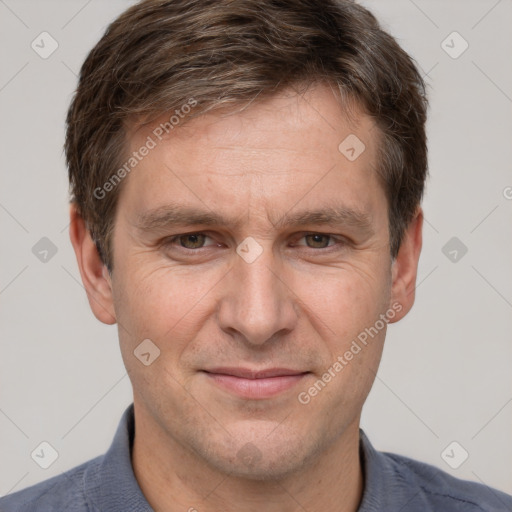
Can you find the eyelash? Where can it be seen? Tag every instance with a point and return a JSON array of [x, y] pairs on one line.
[[339, 241]]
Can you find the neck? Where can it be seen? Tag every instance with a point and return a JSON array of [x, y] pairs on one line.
[[173, 478]]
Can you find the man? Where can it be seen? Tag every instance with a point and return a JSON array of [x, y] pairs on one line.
[[246, 182]]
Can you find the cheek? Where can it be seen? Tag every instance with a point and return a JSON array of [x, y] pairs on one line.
[[344, 301], [346, 312], [167, 306], [160, 302]]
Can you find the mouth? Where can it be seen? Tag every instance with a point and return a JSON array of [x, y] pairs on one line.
[[255, 384]]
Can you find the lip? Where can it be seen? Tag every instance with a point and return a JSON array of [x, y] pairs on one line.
[[255, 384]]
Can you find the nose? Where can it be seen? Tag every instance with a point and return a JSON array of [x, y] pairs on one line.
[[257, 304]]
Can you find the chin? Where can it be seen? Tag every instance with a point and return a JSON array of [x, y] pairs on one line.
[[262, 459]]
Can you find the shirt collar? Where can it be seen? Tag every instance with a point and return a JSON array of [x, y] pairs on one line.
[[378, 478], [111, 486]]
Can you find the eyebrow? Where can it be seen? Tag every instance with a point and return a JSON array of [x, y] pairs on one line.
[[175, 215]]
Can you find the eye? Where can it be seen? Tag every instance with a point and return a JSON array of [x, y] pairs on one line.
[[196, 241], [188, 241], [318, 240], [192, 241]]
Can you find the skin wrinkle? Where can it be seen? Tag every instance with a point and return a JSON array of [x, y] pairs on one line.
[[246, 107], [187, 44], [159, 219], [295, 306]]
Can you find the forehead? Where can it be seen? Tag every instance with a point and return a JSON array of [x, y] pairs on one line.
[[286, 150]]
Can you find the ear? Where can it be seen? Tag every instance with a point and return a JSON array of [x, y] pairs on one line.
[[95, 276], [405, 267]]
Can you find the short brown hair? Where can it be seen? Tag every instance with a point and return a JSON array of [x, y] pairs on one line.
[[159, 54]]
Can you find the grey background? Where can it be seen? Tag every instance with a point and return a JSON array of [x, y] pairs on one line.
[[445, 374]]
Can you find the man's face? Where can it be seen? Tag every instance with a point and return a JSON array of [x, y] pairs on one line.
[[294, 296]]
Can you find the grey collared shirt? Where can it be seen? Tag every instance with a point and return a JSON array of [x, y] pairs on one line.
[[392, 483]]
